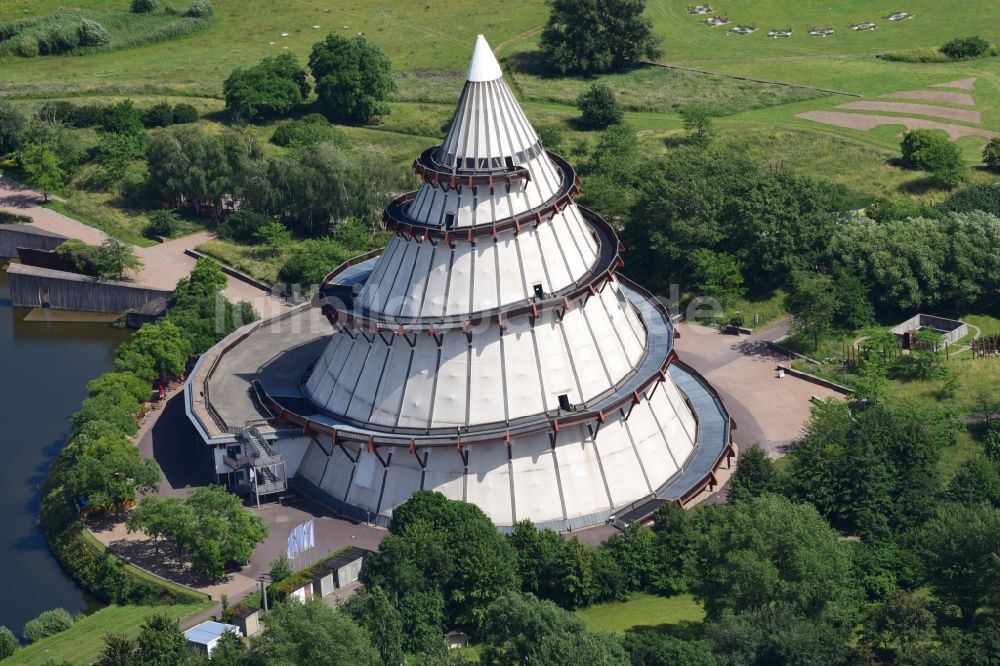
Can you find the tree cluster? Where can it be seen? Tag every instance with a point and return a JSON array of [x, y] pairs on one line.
[[210, 527], [770, 222], [353, 82], [122, 117], [101, 465], [872, 471], [307, 190]]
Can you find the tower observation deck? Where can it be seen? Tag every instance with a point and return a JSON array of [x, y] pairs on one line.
[[492, 352]]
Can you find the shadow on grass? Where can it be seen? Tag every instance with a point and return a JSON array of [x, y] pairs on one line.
[[684, 630]]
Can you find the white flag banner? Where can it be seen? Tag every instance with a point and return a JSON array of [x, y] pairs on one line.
[[310, 537]]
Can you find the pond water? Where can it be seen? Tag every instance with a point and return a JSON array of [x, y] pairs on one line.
[[44, 370]]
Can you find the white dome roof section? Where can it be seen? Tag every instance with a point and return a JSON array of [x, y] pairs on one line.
[[489, 126], [484, 65], [438, 280], [493, 376], [463, 206]]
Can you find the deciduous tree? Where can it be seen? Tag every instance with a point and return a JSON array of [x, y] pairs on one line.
[[599, 108], [269, 89], [960, 549], [353, 78], [312, 633], [594, 36], [43, 167]]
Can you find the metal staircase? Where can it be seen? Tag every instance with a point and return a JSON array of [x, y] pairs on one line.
[[265, 468]]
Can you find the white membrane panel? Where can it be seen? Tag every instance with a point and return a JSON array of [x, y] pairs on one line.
[[444, 472], [580, 473], [536, 487], [402, 480], [489, 482], [621, 467]]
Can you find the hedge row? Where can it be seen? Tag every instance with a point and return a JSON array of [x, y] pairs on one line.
[[107, 420]]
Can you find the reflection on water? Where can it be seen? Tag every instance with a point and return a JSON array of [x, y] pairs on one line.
[[44, 370]]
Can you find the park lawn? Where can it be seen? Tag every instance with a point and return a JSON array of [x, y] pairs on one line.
[[82, 643], [644, 610], [685, 38], [435, 35], [95, 210]]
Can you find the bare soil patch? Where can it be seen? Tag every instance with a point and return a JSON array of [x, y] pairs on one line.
[[864, 122], [963, 84], [935, 96], [963, 115]]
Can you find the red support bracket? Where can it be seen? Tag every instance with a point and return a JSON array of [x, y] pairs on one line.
[[371, 444]]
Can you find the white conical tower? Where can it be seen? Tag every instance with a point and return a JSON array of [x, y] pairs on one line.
[[493, 354]]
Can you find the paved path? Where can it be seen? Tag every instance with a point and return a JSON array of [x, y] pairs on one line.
[[163, 264], [767, 410]]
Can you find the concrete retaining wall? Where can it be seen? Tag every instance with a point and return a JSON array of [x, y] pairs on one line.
[[230, 271], [33, 287], [13, 236], [953, 330]]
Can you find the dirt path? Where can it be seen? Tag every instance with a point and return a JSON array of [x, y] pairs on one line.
[[163, 264], [961, 84], [962, 115], [935, 96], [864, 121]]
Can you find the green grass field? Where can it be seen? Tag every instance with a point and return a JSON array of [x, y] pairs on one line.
[[83, 642], [429, 44], [677, 615]]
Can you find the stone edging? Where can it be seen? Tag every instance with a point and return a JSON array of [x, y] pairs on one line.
[[826, 383]]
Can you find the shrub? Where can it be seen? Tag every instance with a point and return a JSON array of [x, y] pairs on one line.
[[28, 47], [93, 33], [965, 48], [144, 6], [88, 115], [914, 141], [985, 197], [185, 113], [8, 643], [599, 108], [931, 151], [162, 223], [200, 9], [121, 118], [13, 127], [158, 115], [243, 226], [298, 133], [7, 217], [48, 623], [991, 155]]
